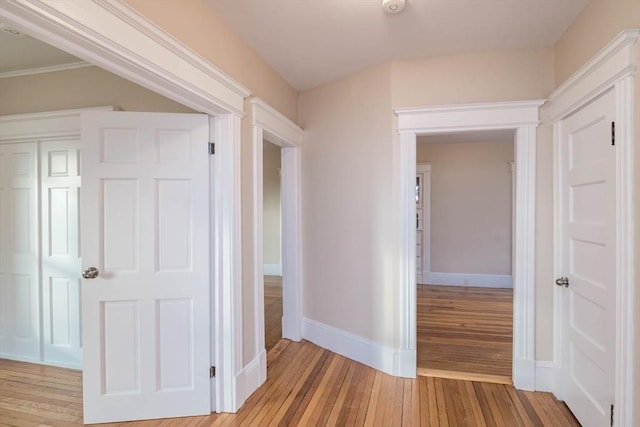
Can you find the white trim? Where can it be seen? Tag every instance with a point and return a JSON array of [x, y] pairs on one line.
[[545, 375], [227, 261], [467, 279], [614, 62], [251, 376], [523, 117], [272, 269], [268, 124], [370, 353], [613, 67], [51, 124], [43, 70], [114, 36]]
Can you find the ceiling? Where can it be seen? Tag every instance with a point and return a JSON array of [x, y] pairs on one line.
[[311, 42], [19, 52]]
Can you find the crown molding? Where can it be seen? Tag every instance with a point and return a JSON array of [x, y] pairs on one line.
[[44, 70], [116, 37]]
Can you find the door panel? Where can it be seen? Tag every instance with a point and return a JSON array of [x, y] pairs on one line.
[[145, 226], [19, 286], [60, 195], [588, 259]]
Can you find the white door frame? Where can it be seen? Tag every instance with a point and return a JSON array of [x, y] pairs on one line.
[[523, 118], [614, 67], [117, 38], [268, 124], [425, 169]]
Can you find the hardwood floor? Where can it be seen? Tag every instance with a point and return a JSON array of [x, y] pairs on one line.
[[272, 311], [306, 386], [465, 333]]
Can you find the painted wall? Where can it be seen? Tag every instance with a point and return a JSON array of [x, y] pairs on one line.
[[205, 32], [350, 227], [594, 27], [271, 203], [80, 88], [471, 206]]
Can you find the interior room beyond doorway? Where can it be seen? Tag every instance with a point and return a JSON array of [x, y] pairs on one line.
[[464, 204]]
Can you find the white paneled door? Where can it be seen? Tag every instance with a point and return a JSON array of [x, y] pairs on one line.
[[145, 228], [60, 196], [588, 196], [19, 281]]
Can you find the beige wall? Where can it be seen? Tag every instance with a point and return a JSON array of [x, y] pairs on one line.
[[593, 28], [470, 206], [199, 27], [271, 204], [80, 88], [511, 75], [350, 227]]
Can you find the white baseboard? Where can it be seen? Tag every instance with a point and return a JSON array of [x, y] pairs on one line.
[[398, 362], [466, 279], [524, 374], [545, 376], [10, 356], [272, 269], [252, 376]]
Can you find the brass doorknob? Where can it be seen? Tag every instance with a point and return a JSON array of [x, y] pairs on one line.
[[90, 273]]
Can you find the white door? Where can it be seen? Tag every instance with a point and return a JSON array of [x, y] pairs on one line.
[[145, 227], [60, 210], [19, 281], [588, 197]]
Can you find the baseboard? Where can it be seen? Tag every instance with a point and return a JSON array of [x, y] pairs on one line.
[[252, 376], [545, 376], [37, 361], [524, 374], [466, 279], [272, 269], [397, 362]]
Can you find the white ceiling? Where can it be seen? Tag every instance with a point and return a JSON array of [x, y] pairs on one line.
[[21, 52], [311, 42]]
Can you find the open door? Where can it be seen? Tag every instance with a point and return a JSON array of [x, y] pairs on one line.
[[145, 257]]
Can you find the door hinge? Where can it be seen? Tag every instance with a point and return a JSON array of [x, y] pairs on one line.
[[212, 372], [611, 415], [212, 148], [613, 133]]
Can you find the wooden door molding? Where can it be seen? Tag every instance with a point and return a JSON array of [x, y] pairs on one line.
[[523, 118], [613, 68]]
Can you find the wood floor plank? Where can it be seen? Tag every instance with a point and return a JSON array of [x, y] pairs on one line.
[[465, 330]]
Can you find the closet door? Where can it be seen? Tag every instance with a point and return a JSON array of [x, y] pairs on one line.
[[60, 192], [19, 286]]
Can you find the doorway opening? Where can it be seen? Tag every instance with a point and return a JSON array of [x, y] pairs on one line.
[[464, 247], [272, 243], [521, 117]]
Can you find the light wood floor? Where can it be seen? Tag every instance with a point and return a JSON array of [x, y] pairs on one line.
[[306, 386], [272, 311], [465, 333]]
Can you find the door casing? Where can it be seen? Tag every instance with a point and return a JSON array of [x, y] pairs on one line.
[[522, 117]]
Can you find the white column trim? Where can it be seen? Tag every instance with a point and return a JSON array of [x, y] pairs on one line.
[[268, 124], [613, 67], [523, 118]]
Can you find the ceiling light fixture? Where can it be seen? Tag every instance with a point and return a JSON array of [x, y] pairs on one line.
[[393, 6]]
